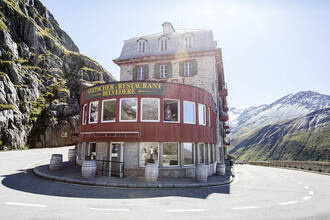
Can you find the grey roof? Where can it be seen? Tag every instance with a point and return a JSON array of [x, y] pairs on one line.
[[202, 41]]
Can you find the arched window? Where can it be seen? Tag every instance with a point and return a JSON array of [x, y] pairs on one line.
[[142, 45], [187, 41]]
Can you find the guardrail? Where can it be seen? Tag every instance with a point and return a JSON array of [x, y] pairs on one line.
[[304, 165]]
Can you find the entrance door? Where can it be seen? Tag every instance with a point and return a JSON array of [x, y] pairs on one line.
[[116, 159]]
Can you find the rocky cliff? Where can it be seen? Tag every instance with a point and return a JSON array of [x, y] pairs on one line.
[[41, 76], [304, 138]]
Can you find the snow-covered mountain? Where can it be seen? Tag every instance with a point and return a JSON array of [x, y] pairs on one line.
[[287, 107]]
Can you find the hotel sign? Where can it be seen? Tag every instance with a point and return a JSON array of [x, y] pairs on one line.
[[126, 88]]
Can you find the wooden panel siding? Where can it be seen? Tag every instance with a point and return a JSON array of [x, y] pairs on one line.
[[155, 131]]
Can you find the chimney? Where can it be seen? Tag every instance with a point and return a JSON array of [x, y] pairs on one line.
[[167, 28]]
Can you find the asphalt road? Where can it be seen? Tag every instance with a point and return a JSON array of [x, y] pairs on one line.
[[256, 193]]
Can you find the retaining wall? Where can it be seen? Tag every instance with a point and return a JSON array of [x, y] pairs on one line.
[[304, 165]]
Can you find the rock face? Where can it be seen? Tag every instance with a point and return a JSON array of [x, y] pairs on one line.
[[41, 76], [304, 138]]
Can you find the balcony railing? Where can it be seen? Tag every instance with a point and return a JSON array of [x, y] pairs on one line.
[[223, 116], [223, 91]]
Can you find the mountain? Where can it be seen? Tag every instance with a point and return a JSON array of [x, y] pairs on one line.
[[243, 121], [41, 76], [304, 138]]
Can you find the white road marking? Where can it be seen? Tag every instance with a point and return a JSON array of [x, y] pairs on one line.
[[186, 210], [310, 192], [299, 183], [31, 164], [118, 210], [26, 204], [306, 197], [306, 187], [287, 203], [246, 207]]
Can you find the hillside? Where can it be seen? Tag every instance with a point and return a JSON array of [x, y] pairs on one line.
[[243, 121], [41, 76], [304, 138]]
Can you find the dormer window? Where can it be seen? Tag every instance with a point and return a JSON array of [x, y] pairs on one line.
[[163, 42], [142, 45], [187, 41]]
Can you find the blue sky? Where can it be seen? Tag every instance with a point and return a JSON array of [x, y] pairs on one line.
[[270, 48]]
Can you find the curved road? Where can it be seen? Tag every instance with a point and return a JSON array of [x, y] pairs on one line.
[[257, 193]]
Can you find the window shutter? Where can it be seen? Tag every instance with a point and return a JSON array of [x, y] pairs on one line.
[[181, 68], [169, 70], [194, 63], [134, 73], [156, 71], [146, 72]]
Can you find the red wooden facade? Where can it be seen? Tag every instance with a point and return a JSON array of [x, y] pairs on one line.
[[153, 131]]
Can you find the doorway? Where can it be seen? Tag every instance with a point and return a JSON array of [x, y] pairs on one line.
[[116, 159]]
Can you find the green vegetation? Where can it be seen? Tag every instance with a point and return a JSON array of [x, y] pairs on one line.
[[21, 86], [2, 74], [6, 107], [303, 145]]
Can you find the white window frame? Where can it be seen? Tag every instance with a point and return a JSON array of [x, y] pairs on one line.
[[198, 153], [139, 152], [178, 145], [188, 70], [163, 44], [193, 154], [204, 114], [107, 121], [140, 71], [84, 119], [178, 101], [209, 116], [194, 113], [137, 103], [141, 115], [89, 113], [164, 72], [142, 46]]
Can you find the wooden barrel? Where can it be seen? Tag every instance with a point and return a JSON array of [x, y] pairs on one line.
[[221, 169], [72, 155], [88, 169], [151, 172], [56, 162], [201, 173]]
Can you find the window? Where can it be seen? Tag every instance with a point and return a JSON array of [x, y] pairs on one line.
[[188, 68], [140, 72], [209, 116], [171, 110], [201, 114], [201, 153], [91, 153], [93, 112], [150, 109], [142, 46], [163, 71], [84, 115], [148, 153], [187, 41], [189, 112], [170, 154], [163, 44], [128, 109], [188, 154], [108, 110]]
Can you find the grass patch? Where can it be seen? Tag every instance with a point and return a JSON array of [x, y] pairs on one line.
[[6, 107]]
